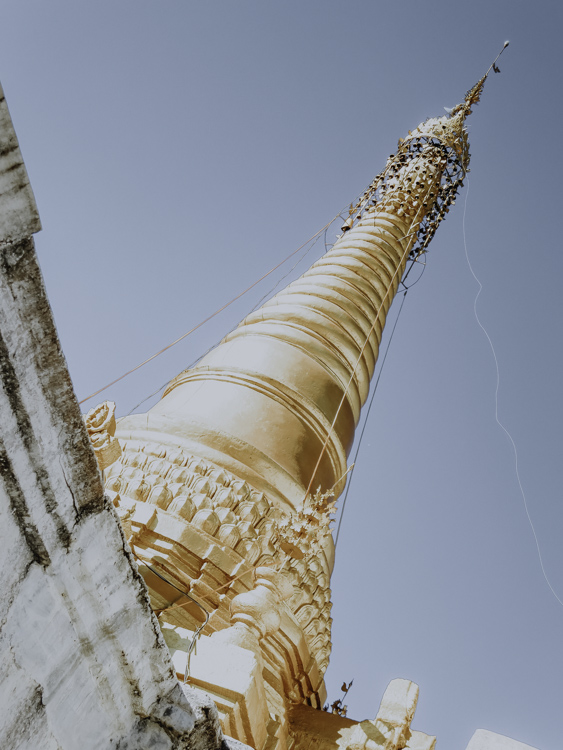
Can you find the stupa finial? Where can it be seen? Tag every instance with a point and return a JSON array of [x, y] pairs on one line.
[[474, 94], [446, 137]]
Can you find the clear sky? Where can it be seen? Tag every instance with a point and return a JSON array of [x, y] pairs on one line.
[[179, 149]]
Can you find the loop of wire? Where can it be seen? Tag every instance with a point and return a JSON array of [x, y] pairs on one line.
[[197, 633], [500, 424]]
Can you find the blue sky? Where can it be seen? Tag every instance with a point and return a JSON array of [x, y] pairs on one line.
[[178, 150]]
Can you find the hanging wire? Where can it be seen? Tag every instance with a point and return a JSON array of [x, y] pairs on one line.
[[349, 484], [405, 277], [162, 387], [500, 424], [314, 237], [293, 267], [208, 318], [184, 593], [360, 355], [406, 288], [167, 381], [268, 293]]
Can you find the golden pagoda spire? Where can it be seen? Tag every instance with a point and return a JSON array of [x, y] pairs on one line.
[[277, 401], [218, 481]]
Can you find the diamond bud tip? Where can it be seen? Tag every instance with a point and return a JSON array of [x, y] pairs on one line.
[[506, 44]]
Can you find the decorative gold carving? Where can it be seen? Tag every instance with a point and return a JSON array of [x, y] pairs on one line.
[[256, 613], [220, 507], [303, 533], [101, 425]]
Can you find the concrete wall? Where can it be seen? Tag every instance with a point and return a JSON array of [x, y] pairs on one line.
[[82, 658]]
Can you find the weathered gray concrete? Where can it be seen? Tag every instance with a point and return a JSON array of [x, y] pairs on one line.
[[82, 658], [19, 217]]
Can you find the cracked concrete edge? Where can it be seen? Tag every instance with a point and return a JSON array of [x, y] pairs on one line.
[[207, 733], [19, 216], [47, 453]]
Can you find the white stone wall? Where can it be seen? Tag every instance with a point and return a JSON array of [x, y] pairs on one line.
[[485, 740], [19, 217], [82, 660]]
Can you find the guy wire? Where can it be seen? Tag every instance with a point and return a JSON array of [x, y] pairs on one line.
[[358, 360], [195, 361], [314, 237], [349, 484], [208, 318]]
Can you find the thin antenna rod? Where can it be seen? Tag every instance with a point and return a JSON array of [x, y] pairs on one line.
[[496, 58]]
